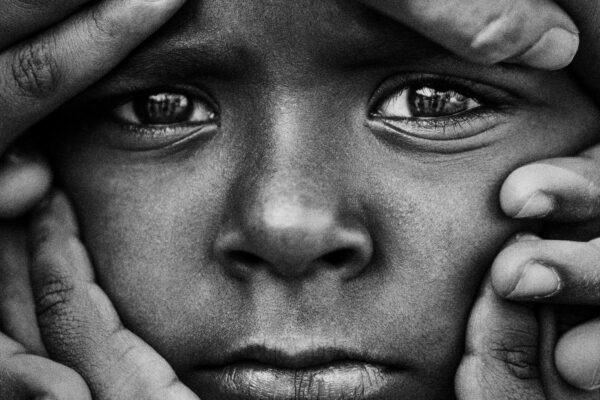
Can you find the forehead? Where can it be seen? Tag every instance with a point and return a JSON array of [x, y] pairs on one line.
[[322, 31]]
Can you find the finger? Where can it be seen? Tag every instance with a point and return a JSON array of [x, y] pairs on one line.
[[17, 308], [549, 271], [24, 180], [555, 386], [536, 33], [562, 189], [27, 376], [37, 76], [577, 356], [21, 18], [586, 14], [501, 353], [80, 327]]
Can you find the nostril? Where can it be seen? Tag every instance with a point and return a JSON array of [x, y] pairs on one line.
[[243, 257], [339, 258]]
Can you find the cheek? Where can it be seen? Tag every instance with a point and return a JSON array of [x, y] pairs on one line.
[[150, 233], [434, 254]]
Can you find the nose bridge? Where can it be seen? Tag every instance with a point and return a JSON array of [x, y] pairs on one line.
[[291, 213]]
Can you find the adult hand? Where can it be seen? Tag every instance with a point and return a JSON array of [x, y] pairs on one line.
[[80, 327], [508, 354], [49, 52], [566, 192], [536, 33]]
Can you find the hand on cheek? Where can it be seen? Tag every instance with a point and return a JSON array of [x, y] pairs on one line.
[[78, 323], [557, 271], [508, 354]]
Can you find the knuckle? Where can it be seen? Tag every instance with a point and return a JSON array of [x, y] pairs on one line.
[[53, 297], [521, 360], [35, 71], [103, 27]]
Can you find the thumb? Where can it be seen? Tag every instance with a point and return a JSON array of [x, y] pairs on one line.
[[501, 353]]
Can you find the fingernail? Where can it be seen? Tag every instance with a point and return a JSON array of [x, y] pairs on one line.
[[539, 205], [555, 50], [536, 281]]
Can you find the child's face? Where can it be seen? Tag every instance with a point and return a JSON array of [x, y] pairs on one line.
[[272, 202]]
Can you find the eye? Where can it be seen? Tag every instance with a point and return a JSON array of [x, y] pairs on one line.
[[436, 108], [164, 109], [425, 102]]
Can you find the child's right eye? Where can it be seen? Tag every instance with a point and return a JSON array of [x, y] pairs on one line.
[[164, 109]]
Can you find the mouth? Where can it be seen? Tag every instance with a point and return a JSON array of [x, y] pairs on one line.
[[258, 372]]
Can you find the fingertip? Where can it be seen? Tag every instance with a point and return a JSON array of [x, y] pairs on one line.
[[508, 267], [524, 196], [504, 275], [545, 38], [23, 184], [555, 50], [577, 356]]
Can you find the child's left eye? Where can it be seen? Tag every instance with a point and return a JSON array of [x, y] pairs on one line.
[[425, 102], [436, 108]]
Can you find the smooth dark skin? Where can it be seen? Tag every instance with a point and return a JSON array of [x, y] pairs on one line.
[[166, 227]]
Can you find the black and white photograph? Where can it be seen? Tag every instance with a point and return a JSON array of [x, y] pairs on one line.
[[299, 200]]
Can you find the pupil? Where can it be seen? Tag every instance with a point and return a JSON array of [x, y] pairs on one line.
[[163, 109], [430, 102]]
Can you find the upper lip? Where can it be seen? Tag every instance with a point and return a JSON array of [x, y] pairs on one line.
[[296, 356]]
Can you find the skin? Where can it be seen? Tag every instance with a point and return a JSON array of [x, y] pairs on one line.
[[179, 240]]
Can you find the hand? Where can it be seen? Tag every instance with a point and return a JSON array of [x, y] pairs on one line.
[[80, 327], [536, 33], [563, 190], [49, 52], [564, 272], [509, 353]]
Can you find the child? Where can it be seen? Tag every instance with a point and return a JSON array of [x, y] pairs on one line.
[[283, 202], [270, 192]]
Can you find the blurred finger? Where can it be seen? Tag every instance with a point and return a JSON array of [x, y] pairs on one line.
[[81, 329], [24, 180], [39, 75], [536, 33], [555, 386], [577, 356], [27, 376], [550, 271], [501, 354], [17, 308], [561, 189], [21, 18]]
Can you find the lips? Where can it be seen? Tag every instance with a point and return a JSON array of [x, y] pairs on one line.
[[258, 372]]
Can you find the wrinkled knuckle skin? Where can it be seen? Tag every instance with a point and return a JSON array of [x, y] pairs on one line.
[[521, 361], [35, 71], [52, 298], [102, 27]]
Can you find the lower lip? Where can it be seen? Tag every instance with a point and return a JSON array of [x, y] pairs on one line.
[[348, 380]]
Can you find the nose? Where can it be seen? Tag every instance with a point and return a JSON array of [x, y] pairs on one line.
[[294, 235]]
